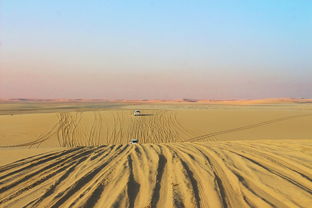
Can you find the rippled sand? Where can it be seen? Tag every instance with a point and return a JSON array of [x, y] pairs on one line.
[[186, 157]]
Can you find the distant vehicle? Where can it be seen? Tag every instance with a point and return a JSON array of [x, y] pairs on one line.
[[134, 141], [137, 113]]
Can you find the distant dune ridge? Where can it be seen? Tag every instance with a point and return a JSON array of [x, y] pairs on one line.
[[185, 100]]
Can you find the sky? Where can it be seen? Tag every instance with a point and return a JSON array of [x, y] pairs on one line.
[[164, 49]]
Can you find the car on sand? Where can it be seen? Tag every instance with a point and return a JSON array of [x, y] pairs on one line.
[[134, 141], [136, 113]]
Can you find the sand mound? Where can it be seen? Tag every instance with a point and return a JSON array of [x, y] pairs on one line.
[[222, 174], [212, 156]]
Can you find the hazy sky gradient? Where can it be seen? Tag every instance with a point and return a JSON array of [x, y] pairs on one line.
[[155, 49]]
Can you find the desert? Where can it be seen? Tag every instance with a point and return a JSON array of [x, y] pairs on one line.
[[198, 154], [155, 104]]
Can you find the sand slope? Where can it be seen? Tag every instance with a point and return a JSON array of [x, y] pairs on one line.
[[209, 174], [188, 156], [71, 129]]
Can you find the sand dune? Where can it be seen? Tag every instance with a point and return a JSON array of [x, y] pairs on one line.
[[188, 157], [96, 128], [71, 129], [222, 174]]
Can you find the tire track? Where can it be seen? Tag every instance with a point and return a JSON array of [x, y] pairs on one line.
[[242, 128], [206, 175], [75, 129]]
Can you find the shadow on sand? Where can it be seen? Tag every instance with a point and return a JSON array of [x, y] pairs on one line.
[[146, 114]]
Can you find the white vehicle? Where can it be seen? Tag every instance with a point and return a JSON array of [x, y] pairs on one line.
[[134, 141], [137, 113]]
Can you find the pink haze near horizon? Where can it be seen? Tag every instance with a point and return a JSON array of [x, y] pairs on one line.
[[155, 49]]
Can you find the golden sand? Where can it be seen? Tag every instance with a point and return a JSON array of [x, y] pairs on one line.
[[187, 156]]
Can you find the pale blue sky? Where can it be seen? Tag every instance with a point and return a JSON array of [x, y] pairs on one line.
[[155, 49]]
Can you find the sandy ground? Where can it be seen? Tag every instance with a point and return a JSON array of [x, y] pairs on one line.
[[188, 156]]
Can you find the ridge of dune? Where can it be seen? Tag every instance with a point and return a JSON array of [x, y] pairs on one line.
[[154, 101]]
